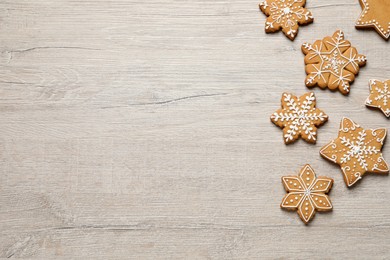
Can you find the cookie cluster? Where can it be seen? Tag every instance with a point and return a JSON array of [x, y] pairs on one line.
[[331, 63]]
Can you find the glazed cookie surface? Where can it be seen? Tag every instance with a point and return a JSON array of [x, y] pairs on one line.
[[379, 96], [306, 193], [357, 151], [332, 62], [375, 14], [286, 15], [299, 117]]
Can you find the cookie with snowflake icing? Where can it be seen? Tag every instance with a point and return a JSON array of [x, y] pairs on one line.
[[375, 14], [306, 193], [299, 117], [357, 151], [379, 96], [332, 62], [286, 15]]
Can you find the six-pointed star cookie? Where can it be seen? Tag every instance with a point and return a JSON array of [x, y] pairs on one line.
[[299, 117], [285, 15], [306, 193], [357, 151], [379, 96], [332, 62], [376, 13]]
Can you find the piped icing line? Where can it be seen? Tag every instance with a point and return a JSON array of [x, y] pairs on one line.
[[306, 193], [299, 117], [357, 151], [379, 96], [379, 25], [332, 62], [286, 15]]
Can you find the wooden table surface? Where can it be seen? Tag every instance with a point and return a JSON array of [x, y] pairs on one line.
[[140, 129]]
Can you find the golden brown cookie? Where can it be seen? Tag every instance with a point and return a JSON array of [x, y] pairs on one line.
[[376, 14], [285, 15], [299, 117], [332, 62], [357, 151], [306, 193], [379, 96]]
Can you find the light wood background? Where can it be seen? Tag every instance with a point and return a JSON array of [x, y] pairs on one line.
[[140, 129]]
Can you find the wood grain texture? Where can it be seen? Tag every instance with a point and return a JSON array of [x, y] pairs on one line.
[[140, 129]]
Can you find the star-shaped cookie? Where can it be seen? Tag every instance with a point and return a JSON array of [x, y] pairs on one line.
[[332, 62], [306, 193], [299, 117], [285, 15], [357, 151], [376, 13], [379, 96]]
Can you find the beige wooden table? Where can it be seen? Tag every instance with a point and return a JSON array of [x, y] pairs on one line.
[[140, 129]]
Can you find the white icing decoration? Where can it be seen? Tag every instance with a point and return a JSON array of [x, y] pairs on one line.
[[285, 13], [333, 61], [356, 151], [380, 28], [379, 96], [299, 118], [311, 198]]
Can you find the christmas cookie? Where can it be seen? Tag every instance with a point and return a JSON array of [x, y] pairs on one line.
[[357, 151], [376, 13], [306, 193], [332, 62], [285, 15], [299, 117], [379, 96]]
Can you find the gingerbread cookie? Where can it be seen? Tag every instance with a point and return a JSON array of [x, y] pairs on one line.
[[306, 193], [376, 14], [357, 151], [379, 96], [332, 62], [299, 117], [285, 15]]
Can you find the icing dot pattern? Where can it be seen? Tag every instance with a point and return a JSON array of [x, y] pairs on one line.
[[286, 15], [306, 210], [379, 96], [292, 200], [375, 15], [321, 202], [357, 151], [332, 62], [293, 183], [322, 185], [308, 176], [307, 199]]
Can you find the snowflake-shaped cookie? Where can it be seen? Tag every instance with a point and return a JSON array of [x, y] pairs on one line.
[[285, 15], [376, 13], [332, 62], [379, 96], [306, 193], [299, 117], [357, 151]]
